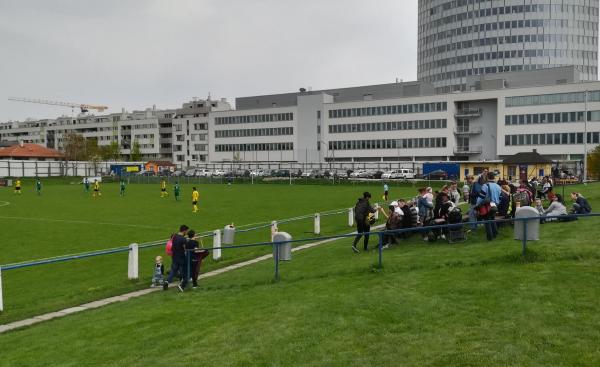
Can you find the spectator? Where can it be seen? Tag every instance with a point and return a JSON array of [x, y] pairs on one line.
[[580, 205], [504, 205], [414, 214], [424, 206], [538, 206], [406, 215], [556, 208], [440, 213], [179, 261], [546, 189], [362, 210], [489, 198], [393, 222], [467, 188], [454, 195], [197, 253], [473, 197]]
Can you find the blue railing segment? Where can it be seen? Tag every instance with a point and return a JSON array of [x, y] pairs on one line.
[[311, 239]]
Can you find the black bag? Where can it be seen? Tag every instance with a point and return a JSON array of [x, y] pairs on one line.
[[455, 216]]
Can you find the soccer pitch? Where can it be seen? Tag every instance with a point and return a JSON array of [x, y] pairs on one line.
[[66, 220], [473, 303]]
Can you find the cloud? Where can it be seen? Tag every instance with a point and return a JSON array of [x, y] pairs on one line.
[[134, 54]]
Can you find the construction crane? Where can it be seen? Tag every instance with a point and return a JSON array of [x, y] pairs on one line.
[[84, 107]]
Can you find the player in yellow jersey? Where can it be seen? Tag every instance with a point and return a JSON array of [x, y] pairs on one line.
[[163, 189], [18, 187], [195, 197], [96, 189]]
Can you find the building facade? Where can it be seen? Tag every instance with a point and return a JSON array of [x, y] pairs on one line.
[[462, 38]]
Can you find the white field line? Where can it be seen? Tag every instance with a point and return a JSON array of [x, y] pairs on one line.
[[103, 302], [4, 203], [79, 221]]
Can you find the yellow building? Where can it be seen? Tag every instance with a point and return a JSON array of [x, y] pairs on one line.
[[521, 166]]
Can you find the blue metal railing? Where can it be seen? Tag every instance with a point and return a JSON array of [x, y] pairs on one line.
[[206, 234]]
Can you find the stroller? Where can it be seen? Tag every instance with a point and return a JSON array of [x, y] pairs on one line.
[[455, 234]]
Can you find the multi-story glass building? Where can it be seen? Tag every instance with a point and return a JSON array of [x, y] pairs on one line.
[[463, 38]]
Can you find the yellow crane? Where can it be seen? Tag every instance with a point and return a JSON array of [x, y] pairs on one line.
[[84, 107]]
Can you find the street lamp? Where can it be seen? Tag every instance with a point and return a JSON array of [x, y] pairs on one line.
[[585, 118]]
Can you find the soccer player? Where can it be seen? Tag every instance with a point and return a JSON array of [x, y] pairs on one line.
[[386, 191], [177, 191], [195, 197], [163, 188], [96, 189], [18, 186], [122, 188], [86, 185], [38, 186]]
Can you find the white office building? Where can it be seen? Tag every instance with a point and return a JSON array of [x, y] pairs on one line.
[[499, 116], [461, 38]]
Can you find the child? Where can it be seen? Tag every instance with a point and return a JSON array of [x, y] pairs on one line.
[[538, 206], [159, 272]]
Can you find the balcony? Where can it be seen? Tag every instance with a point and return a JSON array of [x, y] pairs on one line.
[[468, 112], [468, 150], [472, 130]]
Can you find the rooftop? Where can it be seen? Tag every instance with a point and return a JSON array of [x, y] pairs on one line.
[[29, 151]]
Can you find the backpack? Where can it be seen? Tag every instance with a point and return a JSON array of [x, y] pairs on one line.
[[455, 216], [169, 247]]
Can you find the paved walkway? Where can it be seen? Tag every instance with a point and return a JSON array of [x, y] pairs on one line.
[[124, 297]]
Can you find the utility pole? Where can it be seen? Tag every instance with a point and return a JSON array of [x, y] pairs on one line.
[[585, 118]]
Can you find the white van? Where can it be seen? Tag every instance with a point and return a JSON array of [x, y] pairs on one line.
[[406, 173]]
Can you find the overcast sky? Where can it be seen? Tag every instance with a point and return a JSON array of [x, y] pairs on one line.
[[134, 54]]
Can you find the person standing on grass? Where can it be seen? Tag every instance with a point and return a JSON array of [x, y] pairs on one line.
[[195, 198], [163, 188], [18, 187], [198, 253], [362, 212], [179, 263], [467, 188], [385, 192], [122, 188], [177, 191], [38, 186], [96, 189], [86, 185], [490, 196]]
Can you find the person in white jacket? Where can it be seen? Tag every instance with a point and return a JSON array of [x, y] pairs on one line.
[[557, 207]]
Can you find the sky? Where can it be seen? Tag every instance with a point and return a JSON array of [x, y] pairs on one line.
[[137, 53]]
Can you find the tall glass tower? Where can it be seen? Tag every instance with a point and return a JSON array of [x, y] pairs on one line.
[[460, 38]]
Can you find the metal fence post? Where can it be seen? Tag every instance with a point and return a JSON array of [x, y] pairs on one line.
[[1, 300], [525, 236], [133, 264], [350, 217], [380, 248], [274, 229], [317, 223], [217, 244], [276, 261]]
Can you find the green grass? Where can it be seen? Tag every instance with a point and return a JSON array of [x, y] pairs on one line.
[[64, 220], [473, 304]]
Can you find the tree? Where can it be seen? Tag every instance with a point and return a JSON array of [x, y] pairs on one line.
[[74, 147], [136, 153], [115, 150], [593, 163]]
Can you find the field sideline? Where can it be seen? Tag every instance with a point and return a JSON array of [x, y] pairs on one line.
[[65, 220]]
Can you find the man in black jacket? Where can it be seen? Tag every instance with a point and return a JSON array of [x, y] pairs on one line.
[[361, 212], [179, 260]]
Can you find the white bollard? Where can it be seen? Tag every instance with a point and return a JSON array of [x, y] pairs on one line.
[[351, 217], [1, 301], [217, 244], [317, 223], [274, 229], [376, 214], [133, 264]]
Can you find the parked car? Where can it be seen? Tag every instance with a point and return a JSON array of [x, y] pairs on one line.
[[258, 173], [178, 173], [165, 172], [438, 174], [146, 173], [388, 174], [190, 173], [376, 175], [218, 172], [203, 172], [358, 173], [406, 173]]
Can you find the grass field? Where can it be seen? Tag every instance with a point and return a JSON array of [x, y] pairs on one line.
[[65, 220], [476, 303]]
